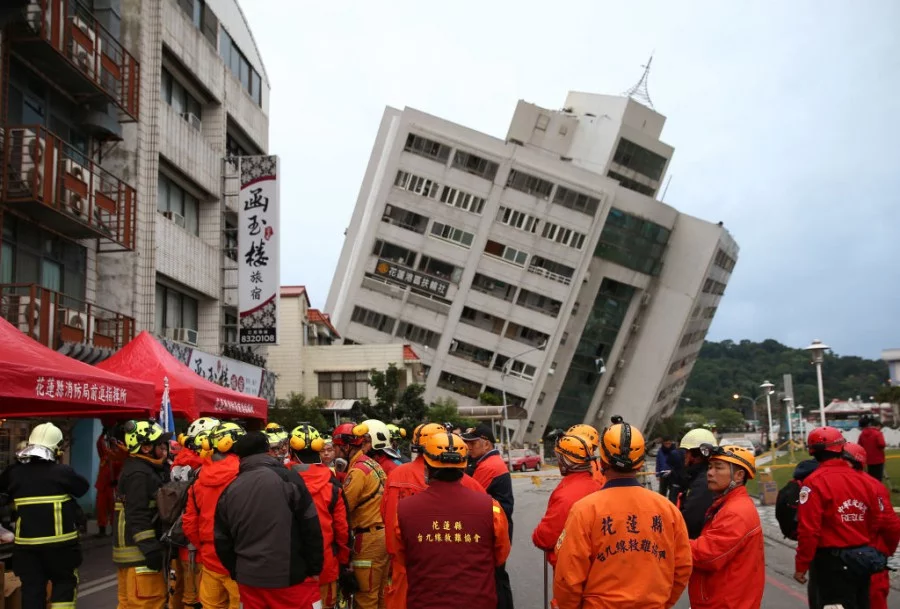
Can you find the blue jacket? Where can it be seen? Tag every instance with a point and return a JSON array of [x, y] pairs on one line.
[[662, 461]]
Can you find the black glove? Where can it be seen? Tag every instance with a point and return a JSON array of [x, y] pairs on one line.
[[154, 560], [347, 581]]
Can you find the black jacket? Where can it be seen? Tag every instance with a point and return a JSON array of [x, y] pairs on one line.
[[695, 498], [140, 534], [267, 531], [38, 489]]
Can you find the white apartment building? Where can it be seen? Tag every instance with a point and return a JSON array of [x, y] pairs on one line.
[[539, 268]]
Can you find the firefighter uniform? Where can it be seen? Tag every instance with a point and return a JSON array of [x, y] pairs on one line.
[[363, 488], [111, 459], [47, 548]]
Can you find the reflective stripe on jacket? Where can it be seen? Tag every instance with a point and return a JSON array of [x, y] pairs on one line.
[[135, 523]]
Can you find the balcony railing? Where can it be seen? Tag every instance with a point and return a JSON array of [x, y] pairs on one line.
[[55, 320], [58, 185], [96, 63]]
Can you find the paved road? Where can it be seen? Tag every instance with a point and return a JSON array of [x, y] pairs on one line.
[[98, 584]]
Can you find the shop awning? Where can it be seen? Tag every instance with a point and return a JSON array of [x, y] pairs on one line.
[[192, 396], [40, 382]]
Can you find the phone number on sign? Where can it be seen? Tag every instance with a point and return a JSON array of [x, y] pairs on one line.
[[257, 339]]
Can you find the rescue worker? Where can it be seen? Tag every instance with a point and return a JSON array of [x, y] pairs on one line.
[[575, 459], [278, 442], [663, 470], [729, 555], [397, 433], [589, 434], [216, 590], [638, 532], [327, 453], [363, 488], [695, 496], [489, 469], [305, 446], [444, 523], [406, 481], [43, 491], [888, 536], [837, 511], [380, 445], [137, 550], [112, 456], [267, 532], [872, 441], [184, 570]]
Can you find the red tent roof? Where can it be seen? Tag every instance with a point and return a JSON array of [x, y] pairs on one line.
[[192, 396], [39, 382]]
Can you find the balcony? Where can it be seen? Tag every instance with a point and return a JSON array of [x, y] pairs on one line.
[[57, 185], [64, 40], [69, 325]]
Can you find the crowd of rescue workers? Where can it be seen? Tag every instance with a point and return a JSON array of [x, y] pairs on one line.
[[226, 517]]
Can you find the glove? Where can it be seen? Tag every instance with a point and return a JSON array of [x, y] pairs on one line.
[[347, 581], [154, 560]]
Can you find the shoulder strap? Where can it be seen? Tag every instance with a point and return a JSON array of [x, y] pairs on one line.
[[335, 495]]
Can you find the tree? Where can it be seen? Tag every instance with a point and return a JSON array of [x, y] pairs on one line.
[[297, 409], [446, 410], [405, 406]]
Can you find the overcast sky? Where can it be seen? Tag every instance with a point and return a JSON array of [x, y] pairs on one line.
[[784, 121]]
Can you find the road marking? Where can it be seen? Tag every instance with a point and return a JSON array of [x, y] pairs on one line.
[[97, 585], [786, 588]]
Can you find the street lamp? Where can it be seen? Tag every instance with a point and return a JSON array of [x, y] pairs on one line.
[[802, 423], [504, 371], [790, 417], [817, 352], [767, 388]]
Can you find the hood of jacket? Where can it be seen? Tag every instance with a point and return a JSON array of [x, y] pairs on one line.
[[316, 477], [805, 468], [219, 473], [260, 461], [189, 458]]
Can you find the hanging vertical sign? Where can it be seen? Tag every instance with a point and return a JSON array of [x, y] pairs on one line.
[[258, 246]]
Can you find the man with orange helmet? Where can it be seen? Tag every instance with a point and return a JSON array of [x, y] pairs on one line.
[[363, 489], [406, 481], [838, 512], [576, 463], [444, 522], [638, 532], [589, 435], [888, 536], [729, 555]]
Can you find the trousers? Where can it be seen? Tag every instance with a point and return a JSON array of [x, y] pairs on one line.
[[37, 565], [300, 596], [218, 591], [879, 587], [141, 588], [183, 583], [370, 565], [830, 583], [106, 502]]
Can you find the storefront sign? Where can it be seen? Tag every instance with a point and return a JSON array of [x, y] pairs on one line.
[[258, 246], [401, 274], [227, 372], [60, 389]]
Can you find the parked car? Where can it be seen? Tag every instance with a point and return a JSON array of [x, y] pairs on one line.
[[745, 443], [522, 459]]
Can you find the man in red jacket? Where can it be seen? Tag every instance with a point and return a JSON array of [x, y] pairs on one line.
[[112, 457], [305, 445], [729, 555], [837, 511], [575, 458], [888, 536], [217, 589], [872, 440]]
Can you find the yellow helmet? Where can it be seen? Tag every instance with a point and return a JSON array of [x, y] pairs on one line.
[[738, 455], [587, 433], [223, 437], [306, 437], [445, 450], [140, 433], [622, 447], [396, 432], [276, 434], [574, 448], [697, 437]]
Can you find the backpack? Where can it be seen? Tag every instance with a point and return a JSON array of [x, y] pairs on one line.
[[171, 499], [786, 503]]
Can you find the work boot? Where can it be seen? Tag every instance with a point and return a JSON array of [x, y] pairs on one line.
[[101, 532]]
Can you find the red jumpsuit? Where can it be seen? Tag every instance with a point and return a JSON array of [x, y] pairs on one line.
[[573, 487], [885, 541], [111, 460], [387, 463]]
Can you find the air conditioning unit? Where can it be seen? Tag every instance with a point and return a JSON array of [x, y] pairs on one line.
[[27, 161], [175, 217], [645, 299], [388, 209], [184, 335], [77, 319], [610, 390], [35, 16], [75, 170], [192, 119]]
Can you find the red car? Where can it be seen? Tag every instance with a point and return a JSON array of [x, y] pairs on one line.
[[522, 459]]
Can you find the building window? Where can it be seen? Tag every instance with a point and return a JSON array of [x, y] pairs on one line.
[[419, 335], [404, 219], [394, 253], [493, 287], [32, 255], [711, 286], [563, 235], [460, 385], [510, 254], [417, 184], [517, 219], [575, 200], [724, 261], [470, 163], [378, 321], [186, 105], [440, 269], [343, 385], [427, 148], [480, 319], [633, 242], [231, 240], [462, 200], [178, 205], [175, 309], [532, 185], [452, 234], [539, 303], [639, 159], [202, 17], [516, 368], [526, 335], [242, 69], [230, 327], [472, 353], [631, 184], [551, 270]]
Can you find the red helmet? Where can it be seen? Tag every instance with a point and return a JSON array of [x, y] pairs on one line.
[[344, 435], [827, 439], [856, 453]]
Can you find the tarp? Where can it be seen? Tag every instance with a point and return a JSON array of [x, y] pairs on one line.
[[192, 396], [36, 381]]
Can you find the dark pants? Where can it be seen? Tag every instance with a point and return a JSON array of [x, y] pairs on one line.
[[37, 565], [831, 583], [504, 588], [664, 486], [876, 471]]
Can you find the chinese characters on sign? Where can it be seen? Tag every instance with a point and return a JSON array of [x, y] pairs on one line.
[[638, 543], [447, 532], [258, 245], [227, 372], [401, 274], [233, 406], [58, 389]]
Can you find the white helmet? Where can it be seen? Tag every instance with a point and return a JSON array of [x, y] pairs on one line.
[[378, 433], [47, 435], [202, 425], [695, 437]]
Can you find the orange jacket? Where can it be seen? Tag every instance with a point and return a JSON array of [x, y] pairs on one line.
[[111, 462], [573, 487], [597, 473], [639, 533], [329, 501], [729, 556], [200, 512]]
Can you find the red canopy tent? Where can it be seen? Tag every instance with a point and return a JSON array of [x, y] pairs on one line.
[[36, 381], [192, 396]]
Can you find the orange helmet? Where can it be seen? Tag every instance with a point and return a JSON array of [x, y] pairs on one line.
[[587, 433], [445, 450], [425, 431], [574, 448], [622, 447], [738, 455]]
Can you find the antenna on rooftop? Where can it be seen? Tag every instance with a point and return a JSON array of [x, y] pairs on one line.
[[639, 91]]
